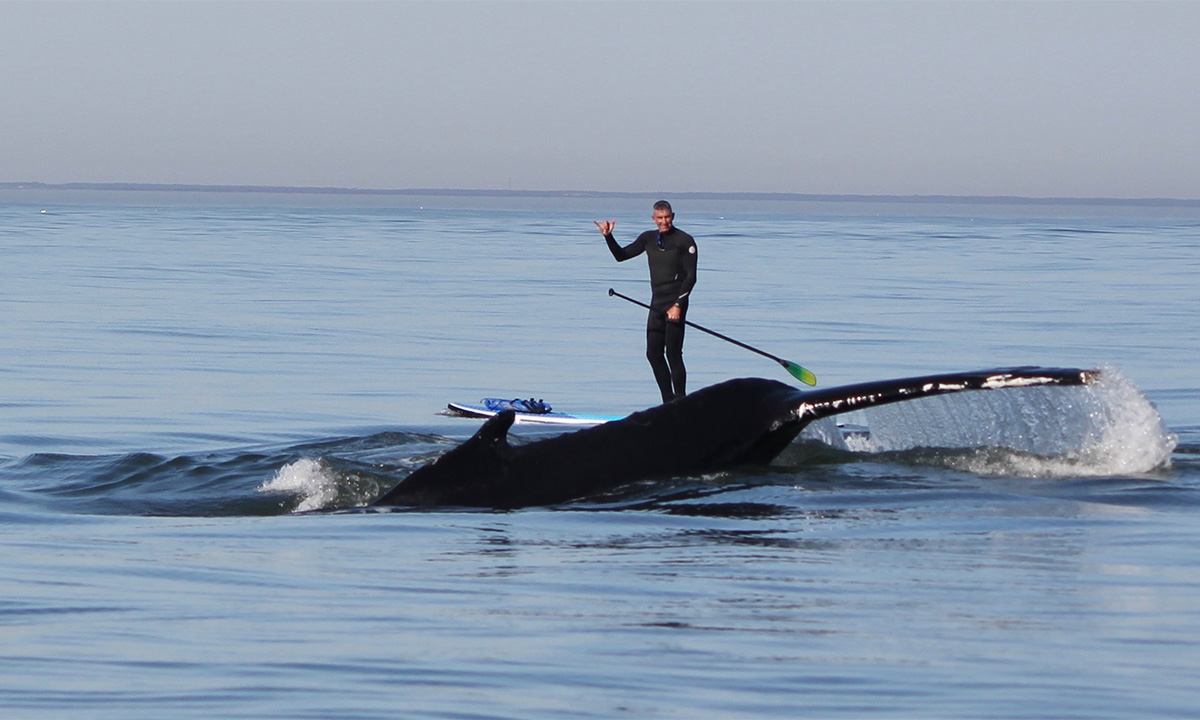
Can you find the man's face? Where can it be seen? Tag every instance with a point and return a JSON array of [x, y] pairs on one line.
[[664, 219]]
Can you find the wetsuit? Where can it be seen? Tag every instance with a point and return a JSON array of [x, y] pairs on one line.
[[672, 259]]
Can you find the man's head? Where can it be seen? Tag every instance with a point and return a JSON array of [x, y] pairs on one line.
[[664, 216]]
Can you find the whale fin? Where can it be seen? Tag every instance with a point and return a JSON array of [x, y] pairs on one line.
[[495, 430], [846, 398], [465, 472]]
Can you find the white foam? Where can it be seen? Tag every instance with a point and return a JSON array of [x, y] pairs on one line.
[[1106, 428], [826, 430], [313, 481]]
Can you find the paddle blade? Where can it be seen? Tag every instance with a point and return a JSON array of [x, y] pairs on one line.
[[804, 375]]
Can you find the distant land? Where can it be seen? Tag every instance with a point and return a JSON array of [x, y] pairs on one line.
[[449, 192]]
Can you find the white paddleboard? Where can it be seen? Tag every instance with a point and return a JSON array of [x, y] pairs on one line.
[[486, 410]]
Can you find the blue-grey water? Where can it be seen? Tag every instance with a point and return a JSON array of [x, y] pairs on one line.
[[197, 391]]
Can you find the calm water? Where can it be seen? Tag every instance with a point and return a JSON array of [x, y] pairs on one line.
[[197, 392]]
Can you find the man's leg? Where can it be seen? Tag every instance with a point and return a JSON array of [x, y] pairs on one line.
[[656, 353], [674, 352]]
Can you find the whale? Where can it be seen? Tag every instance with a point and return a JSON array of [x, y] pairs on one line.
[[736, 423]]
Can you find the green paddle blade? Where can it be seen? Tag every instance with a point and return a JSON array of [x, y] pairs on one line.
[[804, 375]]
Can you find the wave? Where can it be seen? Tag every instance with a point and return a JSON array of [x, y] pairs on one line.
[[234, 482]]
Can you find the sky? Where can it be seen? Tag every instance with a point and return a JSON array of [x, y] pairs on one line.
[[1033, 99]]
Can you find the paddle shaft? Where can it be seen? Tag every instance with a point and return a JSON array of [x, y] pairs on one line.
[[714, 333]]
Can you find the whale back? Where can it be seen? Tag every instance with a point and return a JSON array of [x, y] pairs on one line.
[[747, 420]]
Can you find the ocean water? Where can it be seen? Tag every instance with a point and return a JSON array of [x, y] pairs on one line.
[[199, 392]]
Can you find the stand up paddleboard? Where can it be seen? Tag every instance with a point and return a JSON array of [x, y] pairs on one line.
[[533, 412]]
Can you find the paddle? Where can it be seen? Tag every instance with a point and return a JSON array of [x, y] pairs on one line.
[[804, 375]]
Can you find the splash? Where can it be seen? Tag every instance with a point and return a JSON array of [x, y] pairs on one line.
[[313, 481], [1105, 428], [335, 483]]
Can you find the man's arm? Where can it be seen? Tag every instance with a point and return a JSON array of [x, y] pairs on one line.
[[688, 264], [621, 254]]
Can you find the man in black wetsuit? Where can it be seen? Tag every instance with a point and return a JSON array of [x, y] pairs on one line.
[[672, 256]]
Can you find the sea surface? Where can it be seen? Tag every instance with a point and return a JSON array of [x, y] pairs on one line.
[[199, 392]]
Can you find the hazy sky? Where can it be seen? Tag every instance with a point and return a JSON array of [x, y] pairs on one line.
[[1084, 99]]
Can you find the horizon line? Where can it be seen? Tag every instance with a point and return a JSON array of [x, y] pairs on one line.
[[694, 195]]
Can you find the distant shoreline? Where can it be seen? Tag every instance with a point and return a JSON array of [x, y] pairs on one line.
[[450, 192]]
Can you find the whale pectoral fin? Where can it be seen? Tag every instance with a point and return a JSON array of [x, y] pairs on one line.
[[846, 398]]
